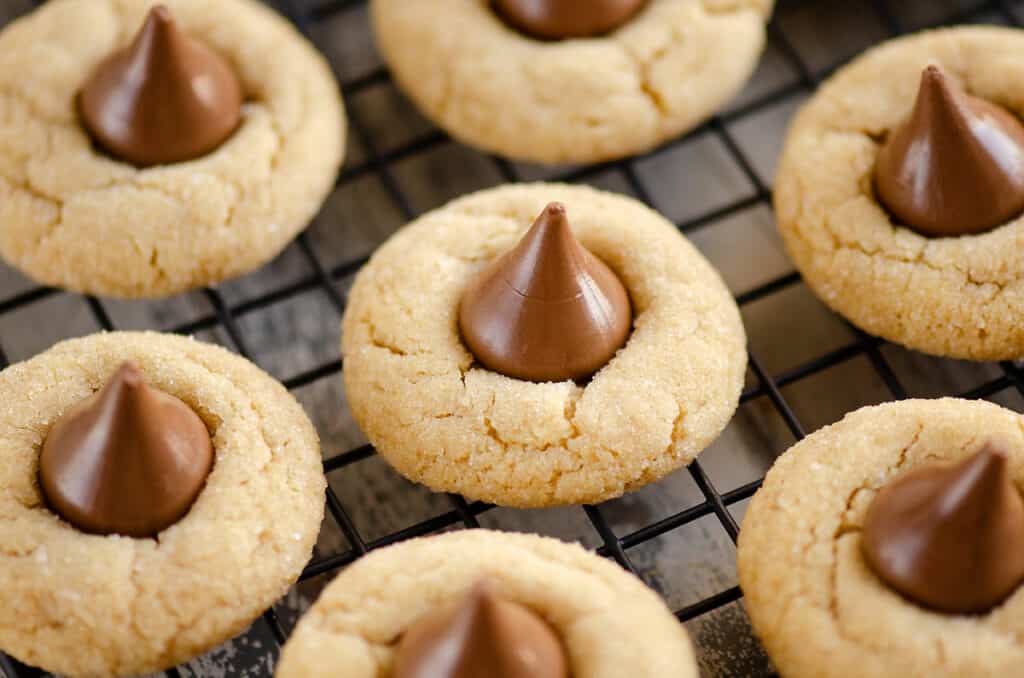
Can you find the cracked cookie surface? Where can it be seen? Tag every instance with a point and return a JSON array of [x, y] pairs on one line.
[[571, 101], [444, 421], [956, 297], [73, 217], [86, 605], [814, 602], [611, 624]]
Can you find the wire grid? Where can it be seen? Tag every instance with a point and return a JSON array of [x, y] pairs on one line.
[[461, 512]]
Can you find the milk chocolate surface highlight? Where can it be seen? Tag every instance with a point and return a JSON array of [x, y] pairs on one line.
[[166, 98], [129, 460], [548, 310]]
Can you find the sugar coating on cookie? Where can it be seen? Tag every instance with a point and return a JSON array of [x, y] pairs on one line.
[[77, 218], [80, 604], [956, 297], [441, 419], [814, 601], [610, 623], [659, 74]]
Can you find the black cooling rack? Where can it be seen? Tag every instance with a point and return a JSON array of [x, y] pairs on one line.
[[762, 385]]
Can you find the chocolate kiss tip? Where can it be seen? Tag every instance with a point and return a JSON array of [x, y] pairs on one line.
[[934, 83], [159, 20], [483, 599], [955, 166], [548, 310], [165, 98], [551, 222], [481, 603], [982, 477], [554, 234], [130, 373], [481, 635], [950, 538], [129, 460]]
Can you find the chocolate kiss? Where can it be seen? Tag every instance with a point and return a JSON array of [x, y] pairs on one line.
[[129, 460], [560, 19], [956, 167], [484, 636], [165, 99], [950, 538], [548, 310]]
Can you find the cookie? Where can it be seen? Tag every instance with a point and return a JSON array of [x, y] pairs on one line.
[[659, 74], [610, 623], [86, 605], [815, 603], [76, 217], [443, 420], [957, 297]]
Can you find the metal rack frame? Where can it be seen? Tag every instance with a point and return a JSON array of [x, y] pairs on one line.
[[379, 163]]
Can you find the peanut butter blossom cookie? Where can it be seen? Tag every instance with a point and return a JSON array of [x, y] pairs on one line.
[[156, 495], [478, 603], [570, 81], [892, 544], [562, 362], [150, 149], [900, 193]]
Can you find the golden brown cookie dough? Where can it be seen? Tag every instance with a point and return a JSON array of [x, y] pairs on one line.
[[86, 605], [442, 420], [572, 101], [815, 604], [611, 624], [957, 297], [75, 218]]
